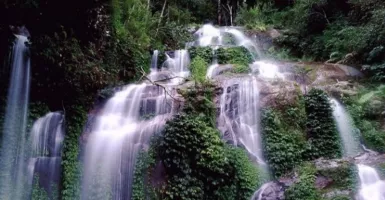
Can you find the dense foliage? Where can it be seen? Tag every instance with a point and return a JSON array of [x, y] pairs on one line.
[[304, 188], [366, 109], [343, 31], [200, 166], [283, 145], [322, 132]]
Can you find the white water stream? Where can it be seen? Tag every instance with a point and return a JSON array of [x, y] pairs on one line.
[[12, 153], [372, 187]]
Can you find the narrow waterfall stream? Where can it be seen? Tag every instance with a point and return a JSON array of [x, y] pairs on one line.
[[12, 151], [239, 113], [45, 164], [372, 188], [351, 143], [123, 127]]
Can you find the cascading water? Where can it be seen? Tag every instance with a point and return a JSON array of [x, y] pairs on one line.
[[47, 136], [154, 60], [178, 65], [350, 140], [208, 35], [239, 116], [372, 188], [12, 151], [267, 70], [124, 127]]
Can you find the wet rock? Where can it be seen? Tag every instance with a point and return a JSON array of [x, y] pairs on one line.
[[322, 182]]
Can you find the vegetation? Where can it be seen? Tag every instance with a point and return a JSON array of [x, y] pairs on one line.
[[198, 69], [304, 188], [321, 128], [344, 31], [283, 147], [200, 166], [366, 109], [234, 55]]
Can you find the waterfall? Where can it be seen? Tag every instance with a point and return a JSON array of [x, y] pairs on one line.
[[267, 70], [47, 137], [154, 60], [259, 193], [372, 188], [123, 127], [12, 151], [239, 114], [208, 35], [350, 140], [178, 66]]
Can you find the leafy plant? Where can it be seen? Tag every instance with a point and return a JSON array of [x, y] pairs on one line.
[[198, 69], [304, 188], [322, 132]]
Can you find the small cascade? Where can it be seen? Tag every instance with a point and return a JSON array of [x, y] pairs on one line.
[[178, 65], [47, 137], [122, 128], [239, 114], [208, 35], [345, 127], [12, 153], [259, 193], [267, 70], [154, 60], [372, 188], [212, 71]]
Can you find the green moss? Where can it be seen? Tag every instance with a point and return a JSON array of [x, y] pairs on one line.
[[237, 68]]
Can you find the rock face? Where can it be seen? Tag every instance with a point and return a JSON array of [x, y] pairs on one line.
[[270, 191]]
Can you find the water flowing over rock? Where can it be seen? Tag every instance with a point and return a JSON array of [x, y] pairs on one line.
[[124, 126], [238, 118], [372, 188], [208, 35], [349, 137], [12, 154], [45, 164]]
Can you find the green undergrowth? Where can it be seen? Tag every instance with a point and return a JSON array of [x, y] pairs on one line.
[[304, 187], [197, 164], [367, 109], [234, 55], [322, 134], [344, 177], [198, 69], [299, 130], [206, 53], [76, 117]]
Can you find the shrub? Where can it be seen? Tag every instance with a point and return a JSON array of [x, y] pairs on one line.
[[198, 69], [304, 188], [204, 52], [322, 133], [234, 55], [200, 166], [282, 147]]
